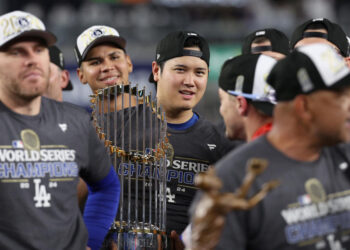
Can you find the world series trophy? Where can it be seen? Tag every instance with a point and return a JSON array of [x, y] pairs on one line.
[[133, 128]]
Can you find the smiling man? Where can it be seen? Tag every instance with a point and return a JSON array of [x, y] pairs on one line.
[[102, 59], [180, 72]]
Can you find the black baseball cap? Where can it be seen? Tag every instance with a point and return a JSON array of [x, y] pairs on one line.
[[56, 57], [94, 36], [245, 75], [307, 69], [335, 34], [172, 45], [279, 42]]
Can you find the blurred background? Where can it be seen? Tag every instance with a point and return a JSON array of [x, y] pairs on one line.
[[144, 22]]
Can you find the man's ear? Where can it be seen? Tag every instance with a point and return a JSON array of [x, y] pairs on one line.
[[347, 61], [242, 106], [155, 71], [81, 76], [130, 65], [64, 78], [302, 107]]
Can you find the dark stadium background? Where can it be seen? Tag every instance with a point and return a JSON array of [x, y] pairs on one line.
[[143, 22]]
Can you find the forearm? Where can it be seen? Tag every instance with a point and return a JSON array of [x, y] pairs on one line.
[[101, 208]]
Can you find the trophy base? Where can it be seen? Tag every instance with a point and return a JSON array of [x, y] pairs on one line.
[[135, 240]]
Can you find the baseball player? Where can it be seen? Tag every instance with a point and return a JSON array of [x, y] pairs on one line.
[[321, 30], [308, 209], [59, 76], [244, 92], [244, 95], [270, 42], [45, 146], [180, 72], [102, 60]]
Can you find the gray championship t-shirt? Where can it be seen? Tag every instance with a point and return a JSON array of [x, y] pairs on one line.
[[40, 160], [310, 209]]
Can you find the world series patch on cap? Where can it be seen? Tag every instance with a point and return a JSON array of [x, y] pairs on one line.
[[17, 24], [307, 69], [96, 35], [245, 75]]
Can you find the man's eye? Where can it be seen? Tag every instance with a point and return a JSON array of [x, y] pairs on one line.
[[94, 63], [179, 69], [39, 49], [115, 57], [14, 52]]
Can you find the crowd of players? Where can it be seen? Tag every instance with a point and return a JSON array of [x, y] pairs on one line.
[[288, 99]]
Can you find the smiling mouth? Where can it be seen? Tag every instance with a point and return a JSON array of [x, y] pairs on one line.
[[110, 80], [185, 92]]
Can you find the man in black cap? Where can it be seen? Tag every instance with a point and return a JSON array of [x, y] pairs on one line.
[[180, 71], [45, 146], [309, 209], [59, 76], [243, 90], [321, 30], [270, 42]]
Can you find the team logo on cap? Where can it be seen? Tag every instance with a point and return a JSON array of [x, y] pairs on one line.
[[304, 80], [260, 33], [23, 22], [97, 33], [239, 83], [61, 59], [192, 34], [318, 19]]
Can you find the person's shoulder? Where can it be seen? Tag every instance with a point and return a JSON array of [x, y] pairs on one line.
[[254, 149], [211, 130], [206, 125]]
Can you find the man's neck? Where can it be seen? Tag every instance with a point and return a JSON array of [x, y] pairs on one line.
[[176, 117], [252, 124], [22, 106], [298, 145]]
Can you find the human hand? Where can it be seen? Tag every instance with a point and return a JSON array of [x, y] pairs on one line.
[[175, 241]]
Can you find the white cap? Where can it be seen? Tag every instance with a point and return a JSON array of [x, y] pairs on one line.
[[18, 24], [96, 35], [261, 90]]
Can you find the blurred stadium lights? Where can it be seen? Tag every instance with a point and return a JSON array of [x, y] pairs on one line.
[[180, 3]]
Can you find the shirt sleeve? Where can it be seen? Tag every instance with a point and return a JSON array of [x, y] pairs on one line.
[[99, 161]]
